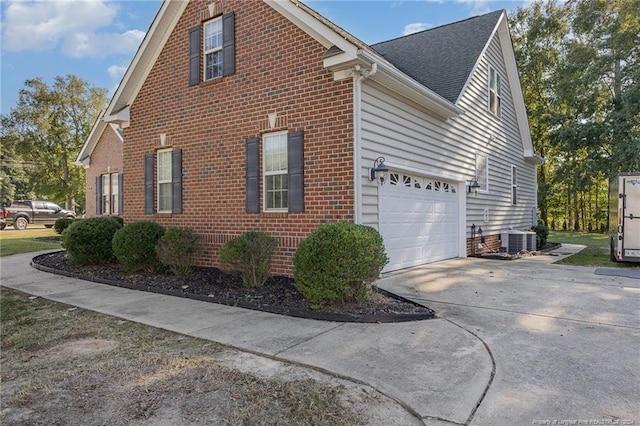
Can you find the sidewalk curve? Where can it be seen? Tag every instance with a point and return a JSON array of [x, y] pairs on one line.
[[434, 368]]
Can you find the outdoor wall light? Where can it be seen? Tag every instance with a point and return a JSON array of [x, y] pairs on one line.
[[473, 185], [378, 170]]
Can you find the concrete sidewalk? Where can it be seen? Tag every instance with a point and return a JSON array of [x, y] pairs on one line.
[[437, 370]]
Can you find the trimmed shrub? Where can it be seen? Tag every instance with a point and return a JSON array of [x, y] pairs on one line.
[[118, 219], [338, 262], [61, 224], [542, 233], [135, 246], [88, 241], [250, 256], [177, 249]]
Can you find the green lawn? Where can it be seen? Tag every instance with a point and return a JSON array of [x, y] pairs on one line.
[[575, 237], [595, 254], [16, 242]]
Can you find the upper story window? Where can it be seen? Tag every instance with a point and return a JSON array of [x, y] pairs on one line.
[[275, 171], [213, 49], [495, 92], [482, 171]]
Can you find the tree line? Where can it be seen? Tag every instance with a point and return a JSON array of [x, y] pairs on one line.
[[579, 71]]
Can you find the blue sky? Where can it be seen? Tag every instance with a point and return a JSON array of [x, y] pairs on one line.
[[96, 39]]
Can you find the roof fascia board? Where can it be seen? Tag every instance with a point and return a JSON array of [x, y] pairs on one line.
[[91, 141], [313, 26], [514, 84], [146, 56]]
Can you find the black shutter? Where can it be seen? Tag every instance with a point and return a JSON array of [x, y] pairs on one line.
[[148, 183], [98, 194], [228, 44], [194, 56], [120, 194], [252, 150], [295, 160], [176, 181]]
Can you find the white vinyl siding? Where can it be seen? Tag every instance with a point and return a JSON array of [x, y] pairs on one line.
[[164, 181], [275, 171], [406, 134]]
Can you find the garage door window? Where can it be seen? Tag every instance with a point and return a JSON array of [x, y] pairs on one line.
[[421, 183]]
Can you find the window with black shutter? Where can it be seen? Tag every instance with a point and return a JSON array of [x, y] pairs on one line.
[[282, 172], [216, 37]]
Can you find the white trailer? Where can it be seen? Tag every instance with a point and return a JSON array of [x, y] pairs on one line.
[[624, 217]]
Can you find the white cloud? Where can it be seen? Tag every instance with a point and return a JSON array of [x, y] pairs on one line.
[[415, 27], [71, 24], [116, 72], [478, 7]]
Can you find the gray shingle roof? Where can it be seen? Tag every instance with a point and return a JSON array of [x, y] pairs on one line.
[[441, 58]]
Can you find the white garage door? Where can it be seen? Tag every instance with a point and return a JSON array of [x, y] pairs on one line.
[[418, 220]]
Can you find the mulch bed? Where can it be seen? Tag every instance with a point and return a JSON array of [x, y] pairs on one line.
[[279, 294]]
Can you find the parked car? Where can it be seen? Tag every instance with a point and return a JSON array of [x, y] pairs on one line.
[[23, 212]]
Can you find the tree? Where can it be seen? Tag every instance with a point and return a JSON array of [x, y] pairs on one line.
[[45, 132], [579, 70]]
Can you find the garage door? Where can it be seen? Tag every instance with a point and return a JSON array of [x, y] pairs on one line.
[[418, 220]]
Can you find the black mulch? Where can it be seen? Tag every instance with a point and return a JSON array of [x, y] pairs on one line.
[[279, 294]]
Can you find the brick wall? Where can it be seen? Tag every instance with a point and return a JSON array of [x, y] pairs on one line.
[[278, 70], [105, 158], [490, 243]]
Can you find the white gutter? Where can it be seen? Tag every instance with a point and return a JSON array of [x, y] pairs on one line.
[[358, 76]]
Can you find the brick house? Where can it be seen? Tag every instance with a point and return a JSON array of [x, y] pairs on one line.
[[263, 115], [101, 156]]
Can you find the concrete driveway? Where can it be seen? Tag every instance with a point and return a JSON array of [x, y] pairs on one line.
[[565, 342]]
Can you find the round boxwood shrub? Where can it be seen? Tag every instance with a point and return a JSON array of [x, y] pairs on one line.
[[88, 241], [61, 224], [338, 262], [134, 245], [177, 249], [250, 255]]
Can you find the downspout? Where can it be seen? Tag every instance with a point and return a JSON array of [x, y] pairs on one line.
[[358, 76]]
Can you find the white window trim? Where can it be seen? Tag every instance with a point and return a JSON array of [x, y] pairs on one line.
[[158, 181], [114, 193], [214, 50], [514, 184], [486, 172], [105, 182], [498, 92], [265, 174]]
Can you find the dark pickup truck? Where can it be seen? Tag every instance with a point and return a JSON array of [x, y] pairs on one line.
[[23, 212]]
